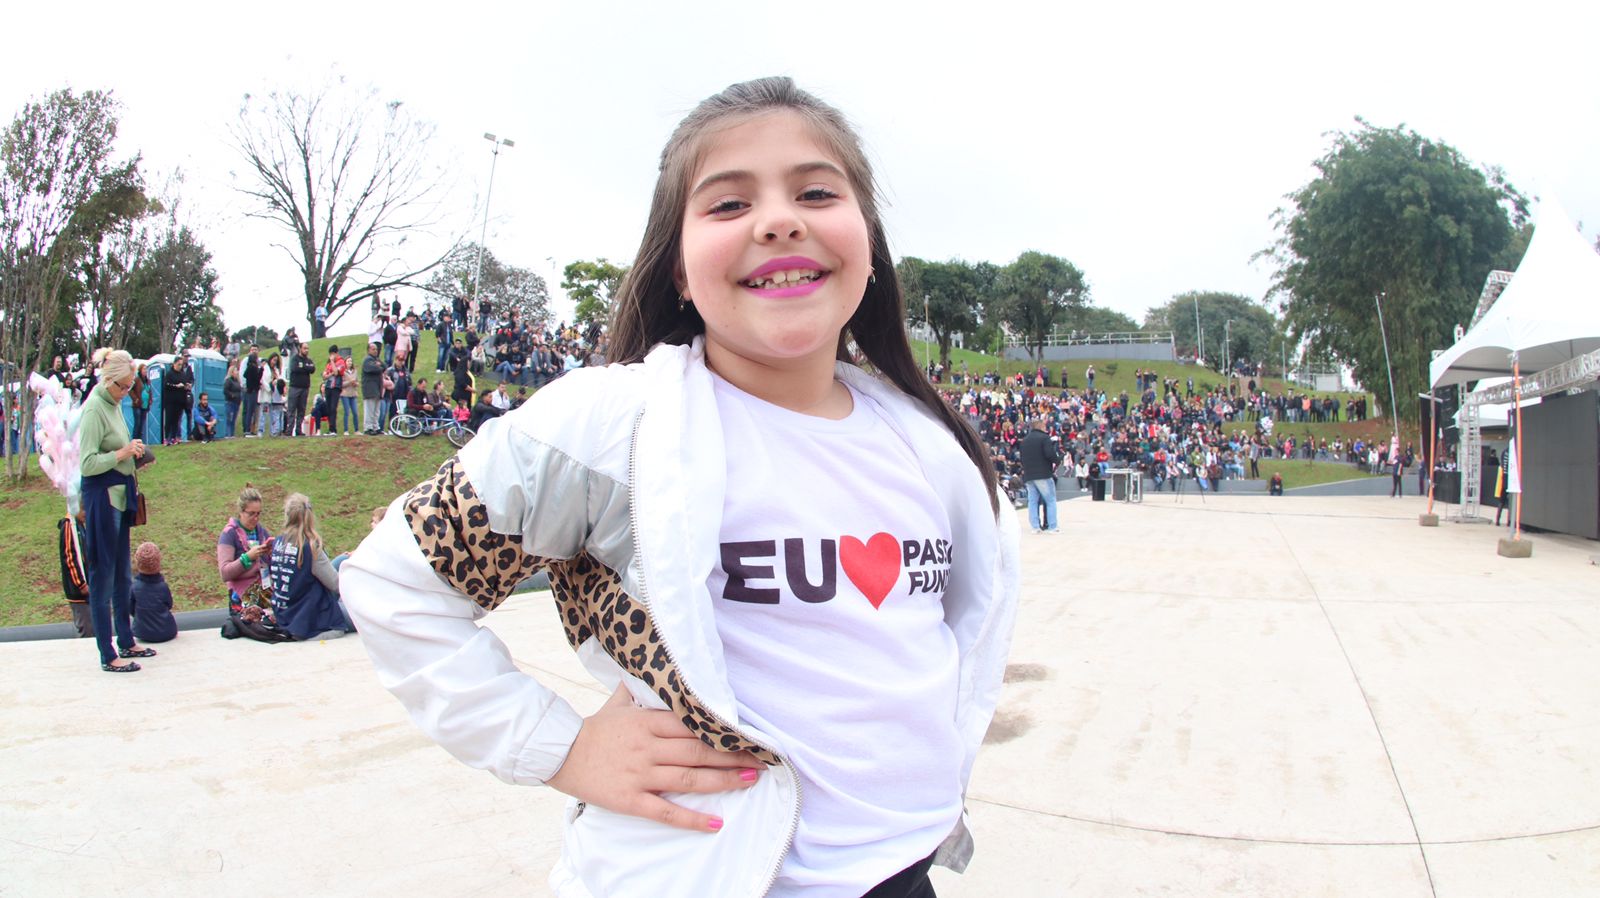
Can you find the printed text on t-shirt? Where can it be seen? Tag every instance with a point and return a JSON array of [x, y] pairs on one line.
[[873, 566]]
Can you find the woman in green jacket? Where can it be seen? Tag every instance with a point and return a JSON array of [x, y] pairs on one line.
[[109, 498]]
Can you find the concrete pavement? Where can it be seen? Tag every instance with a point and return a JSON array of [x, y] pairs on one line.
[[1297, 696]]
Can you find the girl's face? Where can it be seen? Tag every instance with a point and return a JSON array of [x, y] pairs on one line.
[[775, 248]]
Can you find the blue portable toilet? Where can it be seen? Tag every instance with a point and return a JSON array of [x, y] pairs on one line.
[[210, 369]]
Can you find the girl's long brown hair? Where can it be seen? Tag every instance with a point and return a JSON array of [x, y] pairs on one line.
[[647, 310]]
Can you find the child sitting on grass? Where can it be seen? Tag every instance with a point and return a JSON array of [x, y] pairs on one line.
[[152, 599]]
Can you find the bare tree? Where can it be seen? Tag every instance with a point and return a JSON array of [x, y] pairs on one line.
[[53, 158], [349, 177]]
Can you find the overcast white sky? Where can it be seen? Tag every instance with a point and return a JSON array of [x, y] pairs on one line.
[[1148, 145]]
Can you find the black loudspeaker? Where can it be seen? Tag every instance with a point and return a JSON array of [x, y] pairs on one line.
[[1449, 405]]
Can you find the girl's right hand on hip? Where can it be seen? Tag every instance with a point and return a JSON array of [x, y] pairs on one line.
[[625, 756]]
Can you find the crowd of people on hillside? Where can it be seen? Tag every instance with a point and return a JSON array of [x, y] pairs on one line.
[[280, 586], [1177, 436], [284, 391]]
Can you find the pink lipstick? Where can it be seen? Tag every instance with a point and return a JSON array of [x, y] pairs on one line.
[[786, 277]]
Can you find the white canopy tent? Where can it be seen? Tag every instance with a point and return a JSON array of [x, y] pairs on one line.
[[1549, 314]]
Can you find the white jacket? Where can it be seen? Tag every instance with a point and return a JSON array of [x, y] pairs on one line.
[[613, 480]]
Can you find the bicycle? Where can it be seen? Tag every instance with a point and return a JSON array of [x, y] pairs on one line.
[[409, 427]]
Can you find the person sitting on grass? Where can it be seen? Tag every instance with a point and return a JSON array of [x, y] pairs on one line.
[[483, 410], [205, 421], [305, 587], [152, 598], [461, 413]]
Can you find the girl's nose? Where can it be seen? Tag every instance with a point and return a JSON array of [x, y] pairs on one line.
[[780, 223]]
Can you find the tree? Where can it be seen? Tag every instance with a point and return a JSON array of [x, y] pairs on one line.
[[1035, 292], [1392, 214], [54, 156], [592, 286], [175, 296], [508, 287], [259, 334], [349, 178], [116, 227], [1255, 334], [1097, 320], [946, 296]]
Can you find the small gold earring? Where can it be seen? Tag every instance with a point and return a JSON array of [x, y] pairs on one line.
[[683, 300]]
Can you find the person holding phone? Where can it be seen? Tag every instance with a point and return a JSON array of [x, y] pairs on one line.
[[241, 552]]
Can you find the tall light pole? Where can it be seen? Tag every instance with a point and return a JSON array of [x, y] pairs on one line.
[[1227, 349], [477, 268], [1394, 410], [1199, 336]]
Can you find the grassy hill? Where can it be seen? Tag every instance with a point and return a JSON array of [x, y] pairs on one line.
[[191, 492]]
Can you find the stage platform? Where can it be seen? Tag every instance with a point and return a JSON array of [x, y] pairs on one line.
[[1250, 697]]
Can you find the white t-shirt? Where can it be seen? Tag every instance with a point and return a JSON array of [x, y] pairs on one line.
[[828, 597]]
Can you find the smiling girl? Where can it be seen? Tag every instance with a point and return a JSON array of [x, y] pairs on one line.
[[789, 569]]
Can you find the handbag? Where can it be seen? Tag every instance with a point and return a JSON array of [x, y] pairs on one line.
[[141, 512]]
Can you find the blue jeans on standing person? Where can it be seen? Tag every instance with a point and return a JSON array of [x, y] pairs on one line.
[[348, 405], [230, 418], [1044, 491], [111, 596]]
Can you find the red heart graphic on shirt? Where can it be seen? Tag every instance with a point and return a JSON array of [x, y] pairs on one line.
[[873, 566]]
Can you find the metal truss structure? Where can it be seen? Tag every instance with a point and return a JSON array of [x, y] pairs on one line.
[[1493, 285], [1573, 373]]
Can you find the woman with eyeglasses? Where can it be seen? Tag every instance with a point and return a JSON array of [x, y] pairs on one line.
[[241, 553], [109, 497]]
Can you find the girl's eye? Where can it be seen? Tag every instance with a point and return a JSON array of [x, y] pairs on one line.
[[726, 206], [817, 194]]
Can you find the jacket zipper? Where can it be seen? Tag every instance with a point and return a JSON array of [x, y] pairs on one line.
[[644, 597]]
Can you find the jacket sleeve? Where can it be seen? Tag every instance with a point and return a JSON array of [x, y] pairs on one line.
[[447, 552], [91, 436], [322, 569], [229, 567]]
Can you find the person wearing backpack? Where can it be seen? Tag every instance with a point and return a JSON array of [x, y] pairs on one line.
[[74, 576]]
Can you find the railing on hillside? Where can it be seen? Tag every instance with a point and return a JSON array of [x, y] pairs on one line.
[[919, 331], [1310, 378], [1078, 338]]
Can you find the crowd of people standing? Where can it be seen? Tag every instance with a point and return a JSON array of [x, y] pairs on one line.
[[1168, 430]]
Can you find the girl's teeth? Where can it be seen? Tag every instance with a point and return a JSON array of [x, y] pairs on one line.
[[783, 279]]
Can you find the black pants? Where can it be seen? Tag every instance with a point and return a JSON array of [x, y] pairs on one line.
[[297, 411], [171, 418], [248, 423], [912, 882]]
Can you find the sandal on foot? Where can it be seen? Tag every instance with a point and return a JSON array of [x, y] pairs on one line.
[[141, 653], [126, 668]]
